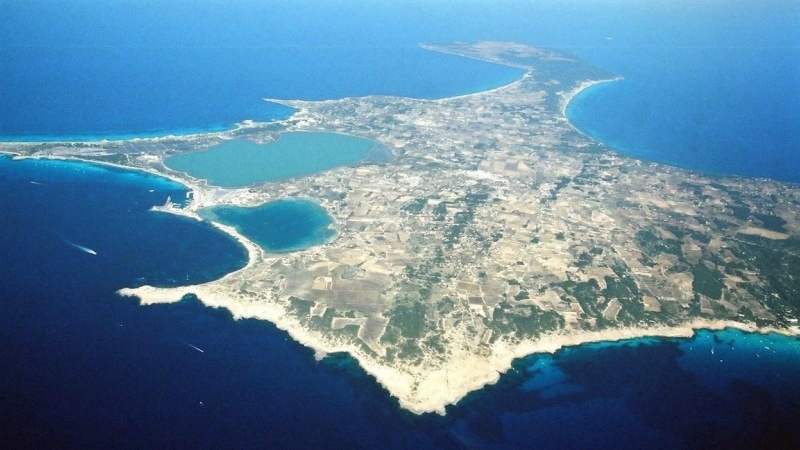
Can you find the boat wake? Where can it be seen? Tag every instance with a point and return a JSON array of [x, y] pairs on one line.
[[194, 347], [79, 247]]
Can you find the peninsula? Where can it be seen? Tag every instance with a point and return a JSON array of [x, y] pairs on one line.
[[495, 230]]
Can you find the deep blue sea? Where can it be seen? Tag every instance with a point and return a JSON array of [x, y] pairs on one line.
[[85, 368], [709, 85]]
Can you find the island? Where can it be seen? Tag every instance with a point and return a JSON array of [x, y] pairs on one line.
[[492, 229]]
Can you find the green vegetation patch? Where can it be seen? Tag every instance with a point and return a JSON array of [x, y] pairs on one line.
[[300, 307], [524, 321], [779, 266], [445, 306], [707, 282], [586, 293], [440, 211], [415, 206], [741, 212], [623, 288], [409, 319], [771, 222], [653, 245]]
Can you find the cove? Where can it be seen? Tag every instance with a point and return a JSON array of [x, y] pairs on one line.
[[280, 226], [239, 163]]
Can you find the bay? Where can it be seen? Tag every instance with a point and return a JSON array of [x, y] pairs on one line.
[[708, 86], [279, 226]]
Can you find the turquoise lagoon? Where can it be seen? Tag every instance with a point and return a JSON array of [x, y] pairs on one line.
[[86, 369], [240, 162], [280, 226]]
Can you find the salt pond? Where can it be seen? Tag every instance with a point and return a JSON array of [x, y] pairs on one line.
[[240, 162]]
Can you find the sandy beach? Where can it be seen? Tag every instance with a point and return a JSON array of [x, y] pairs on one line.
[[419, 389], [566, 97], [423, 387]]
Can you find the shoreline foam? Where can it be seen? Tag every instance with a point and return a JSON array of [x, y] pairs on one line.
[[567, 97], [461, 376], [247, 124], [417, 392], [165, 135]]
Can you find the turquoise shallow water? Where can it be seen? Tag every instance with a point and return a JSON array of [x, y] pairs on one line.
[[279, 226], [688, 108], [710, 86], [242, 163], [84, 368], [85, 70]]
